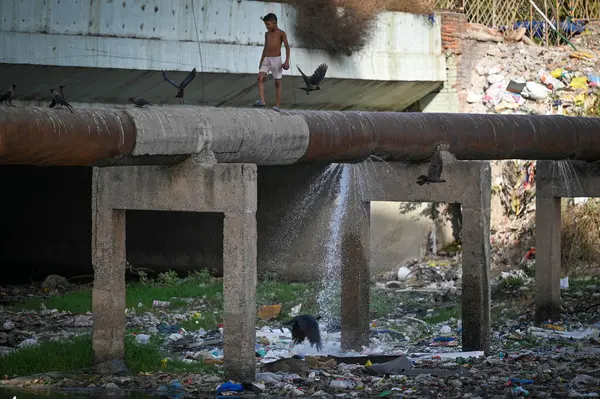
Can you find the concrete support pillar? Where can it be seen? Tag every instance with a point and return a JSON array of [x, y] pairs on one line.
[[108, 293], [187, 187], [467, 183], [476, 296], [547, 258], [239, 295], [356, 278]]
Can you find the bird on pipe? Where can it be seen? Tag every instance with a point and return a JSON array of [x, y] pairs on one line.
[[60, 100], [315, 80], [53, 103], [436, 166], [306, 327], [7, 96], [181, 85], [139, 102]]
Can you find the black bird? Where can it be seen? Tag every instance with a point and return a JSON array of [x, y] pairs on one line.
[[139, 102], [313, 82], [8, 96], [436, 166], [60, 100], [305, 326], [182, 85], [53, 103]]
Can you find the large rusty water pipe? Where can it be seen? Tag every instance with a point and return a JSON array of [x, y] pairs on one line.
[[162, 135]]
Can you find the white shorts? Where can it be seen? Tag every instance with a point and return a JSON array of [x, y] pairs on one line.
[[273, 65]]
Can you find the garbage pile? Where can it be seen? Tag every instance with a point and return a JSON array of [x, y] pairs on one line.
[[414, 351], [514, 78]]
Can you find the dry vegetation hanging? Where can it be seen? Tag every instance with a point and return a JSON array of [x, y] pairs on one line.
[[581, 234], [342, 27]]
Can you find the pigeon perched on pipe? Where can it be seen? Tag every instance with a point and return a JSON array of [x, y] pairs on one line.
[[60, 100], [139, 102], [8, 96], [315, 80], [182, 85], [436, 166], [53, 103], [303, 327]]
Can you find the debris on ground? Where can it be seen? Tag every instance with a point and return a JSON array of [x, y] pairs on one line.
[[519, 78], [415, 349]]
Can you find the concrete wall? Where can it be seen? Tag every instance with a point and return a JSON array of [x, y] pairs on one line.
[[47, 223], [165, 34], [128, 42]]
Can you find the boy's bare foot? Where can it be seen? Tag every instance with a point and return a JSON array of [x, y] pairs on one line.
[[259, 103]]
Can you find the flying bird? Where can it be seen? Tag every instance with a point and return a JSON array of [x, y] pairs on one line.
[[306, 326], [436, 166], [53, 103], [182, 85], [8, 96], [139, 102], [60, 100], [313, 82]]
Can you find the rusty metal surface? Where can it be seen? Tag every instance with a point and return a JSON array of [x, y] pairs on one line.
[[46, 136], [412, 137]]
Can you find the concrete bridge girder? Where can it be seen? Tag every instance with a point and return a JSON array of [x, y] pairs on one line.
[[187, 187], [467, 183]]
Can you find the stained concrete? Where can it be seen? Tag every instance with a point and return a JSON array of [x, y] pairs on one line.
[[108, 51], [51, 227], [356, 277], [186, 187], [243, 135], [467, 183], [554, 180]]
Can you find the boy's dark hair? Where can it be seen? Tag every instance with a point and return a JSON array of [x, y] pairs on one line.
[[270, 17]]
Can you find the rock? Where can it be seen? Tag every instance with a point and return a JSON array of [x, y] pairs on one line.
[[111, 385], [515, 35], [456, 383], [28, 343], [55, 282], [112, 367], [288, 365], [393, 285], [268, 378], [473, 97], [8, 325]]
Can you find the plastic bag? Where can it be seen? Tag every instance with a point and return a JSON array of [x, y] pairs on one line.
[[550, 82], [535, 91], [580, 82]]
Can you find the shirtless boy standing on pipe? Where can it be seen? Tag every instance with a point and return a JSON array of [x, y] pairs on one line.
[[270, 61]]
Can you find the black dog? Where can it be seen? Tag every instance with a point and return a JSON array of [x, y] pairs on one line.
[[305, 326]]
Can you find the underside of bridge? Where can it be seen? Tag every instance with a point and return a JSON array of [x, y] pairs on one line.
[[111, 87]]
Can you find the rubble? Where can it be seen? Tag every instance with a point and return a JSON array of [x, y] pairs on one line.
[[414, 351], [518, 78]]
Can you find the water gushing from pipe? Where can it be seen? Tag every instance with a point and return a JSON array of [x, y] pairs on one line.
[[330, 296]]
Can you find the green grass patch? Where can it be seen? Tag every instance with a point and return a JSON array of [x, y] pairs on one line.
[[164, 288], [383, 303], [442, 315], [76, 354], [580, 283], [200, 286], [73, 354]]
